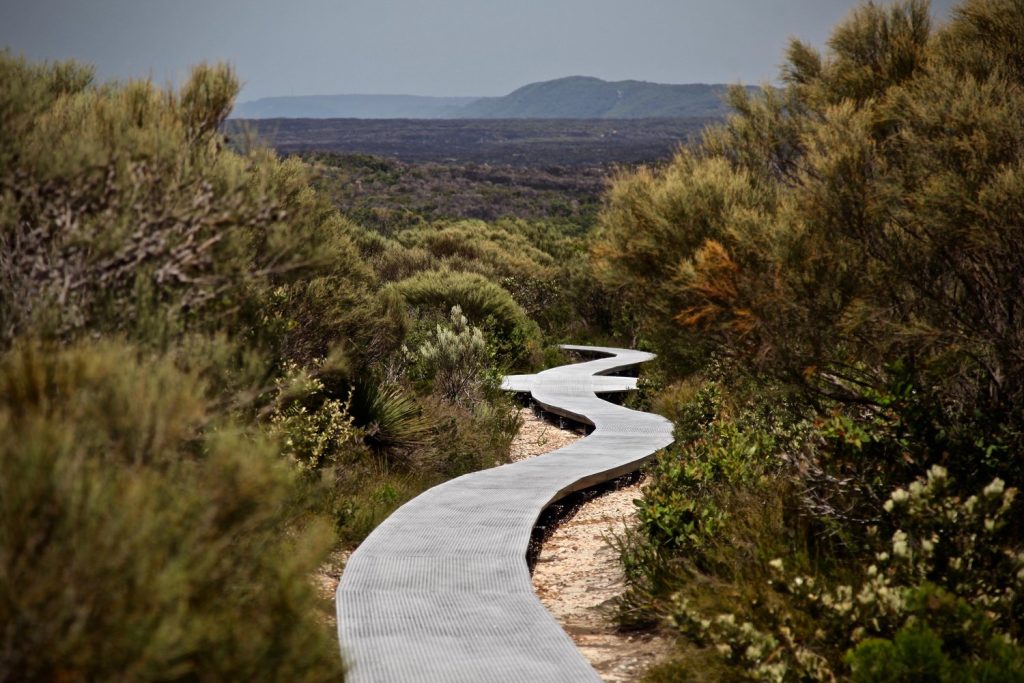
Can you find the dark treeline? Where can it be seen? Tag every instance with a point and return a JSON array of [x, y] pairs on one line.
[[518, 142]]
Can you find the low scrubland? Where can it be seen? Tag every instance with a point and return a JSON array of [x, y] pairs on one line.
[[833, 280], [210, 378], [218, 365]]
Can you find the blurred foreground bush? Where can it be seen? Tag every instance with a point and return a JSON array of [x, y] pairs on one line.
[[140, 542]]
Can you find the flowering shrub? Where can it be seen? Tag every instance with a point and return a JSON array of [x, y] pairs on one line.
[[946, 573], [312, 434], [455, 357]]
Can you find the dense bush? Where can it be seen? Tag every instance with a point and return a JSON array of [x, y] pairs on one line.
[[197, 367], [138, 542], [483, 303], [862, 216], [842, 256]]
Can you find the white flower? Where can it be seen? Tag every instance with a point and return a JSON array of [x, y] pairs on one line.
[[899, 496], [899, 544], [995, 489]]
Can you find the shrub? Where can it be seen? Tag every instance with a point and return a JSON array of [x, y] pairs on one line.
[[138, 541], [314, 428], [475, 246], [478, 298], [482, 302], [942, 593], [844, 223], [454, 358], [148, 227]]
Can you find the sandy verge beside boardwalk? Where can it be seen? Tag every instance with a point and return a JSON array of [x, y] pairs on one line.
[[577, 572]]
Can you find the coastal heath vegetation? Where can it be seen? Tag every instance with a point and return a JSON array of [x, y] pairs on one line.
[[211, 379], [833, 281]]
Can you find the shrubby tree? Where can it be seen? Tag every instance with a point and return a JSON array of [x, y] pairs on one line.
[[854, 229], [845, 249]]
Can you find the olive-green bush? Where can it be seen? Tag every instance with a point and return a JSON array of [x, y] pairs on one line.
[[138, 541], [840, 255], [484, 303]]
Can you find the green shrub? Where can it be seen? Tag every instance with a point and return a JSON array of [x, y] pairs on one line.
[[917, 653], [475, 246], [140, 542], [314, 428], [150, 228], [914, 654], [842, 224], [482, 302], [938, 595], [478, 298], [715, 452], [454, 358]]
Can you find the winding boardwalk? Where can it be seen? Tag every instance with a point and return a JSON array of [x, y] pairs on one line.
[[440, 591]]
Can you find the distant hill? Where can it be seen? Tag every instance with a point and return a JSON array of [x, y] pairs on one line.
[[352, 107], [575, 97], [581, 97]]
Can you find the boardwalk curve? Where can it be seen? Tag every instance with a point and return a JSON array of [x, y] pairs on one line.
[[440, 591]]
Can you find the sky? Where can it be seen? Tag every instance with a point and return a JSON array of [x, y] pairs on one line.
[[423, 47]]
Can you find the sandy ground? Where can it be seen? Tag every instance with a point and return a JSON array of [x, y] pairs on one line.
[[537, 436], [326, 582], [577, 573]]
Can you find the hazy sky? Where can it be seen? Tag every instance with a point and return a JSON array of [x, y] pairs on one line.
[[422, 47]]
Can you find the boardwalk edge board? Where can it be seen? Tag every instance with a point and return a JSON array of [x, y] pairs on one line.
[[441, 592]]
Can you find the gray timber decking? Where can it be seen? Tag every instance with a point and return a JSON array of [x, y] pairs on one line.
[[441, 591]]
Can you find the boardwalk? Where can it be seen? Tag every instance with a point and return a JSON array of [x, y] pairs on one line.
[[441, 591]]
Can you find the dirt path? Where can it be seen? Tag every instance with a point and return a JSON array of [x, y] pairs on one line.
[[577, 572]]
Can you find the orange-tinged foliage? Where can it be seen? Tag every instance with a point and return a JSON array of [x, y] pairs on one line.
[[712, 277]]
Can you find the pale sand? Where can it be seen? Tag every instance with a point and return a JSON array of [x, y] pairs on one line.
[[578, 572]]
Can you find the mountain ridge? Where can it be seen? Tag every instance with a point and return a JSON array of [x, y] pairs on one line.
[[573, 97]]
